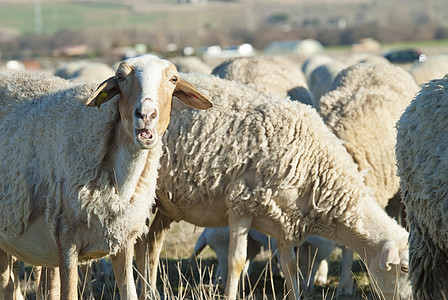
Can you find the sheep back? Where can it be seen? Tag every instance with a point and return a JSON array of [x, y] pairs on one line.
[[422, 149], [361, 107], [270, 75], [251, 147]]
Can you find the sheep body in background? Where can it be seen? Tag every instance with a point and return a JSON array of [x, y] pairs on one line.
[[422, 166], [84, 71], [434, 67], [270, 75], [71, 176], [321, 78], [274, 165], [361, 107]]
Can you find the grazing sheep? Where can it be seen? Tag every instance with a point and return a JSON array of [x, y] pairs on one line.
[[274, 165], [422, 166], [73, 178], [361, 107], [434, 67], [84, 71], [270, 75]]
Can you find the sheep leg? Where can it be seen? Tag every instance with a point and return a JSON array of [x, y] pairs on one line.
[[239, 229], [68, 268], [147, 253], [122, 265], [345, 285], [289, 268], [49, 284], [7, 280]]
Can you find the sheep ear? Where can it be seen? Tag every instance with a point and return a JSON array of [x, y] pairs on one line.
[[105, 91], [186, 93], [389, 256]]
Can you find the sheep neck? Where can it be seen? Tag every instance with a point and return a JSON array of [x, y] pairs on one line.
[[128, 164]]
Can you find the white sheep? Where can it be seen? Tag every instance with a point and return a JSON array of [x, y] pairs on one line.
[[84, 71], [78, 183], [191, 64], [277, 76], [321, 78], [274, 165], [422, 166], [361, 107], [434, 67]]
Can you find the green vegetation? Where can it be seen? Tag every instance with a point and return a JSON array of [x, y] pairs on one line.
[[72, 16]]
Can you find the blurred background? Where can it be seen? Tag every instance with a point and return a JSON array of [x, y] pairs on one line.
[[41, 33]]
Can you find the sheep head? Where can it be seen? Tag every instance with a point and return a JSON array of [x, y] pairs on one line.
[[146, 85]]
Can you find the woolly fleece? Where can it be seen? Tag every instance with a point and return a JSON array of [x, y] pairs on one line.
[[275, 76], [362, 107], [68, 163], [422, 151]]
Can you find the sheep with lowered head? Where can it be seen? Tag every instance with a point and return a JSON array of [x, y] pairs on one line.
[[78, 183], [272, 164], [270, 75], [361, 107], [422, 166]]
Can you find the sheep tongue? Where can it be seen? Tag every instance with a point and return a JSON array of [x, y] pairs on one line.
[[145, 134]]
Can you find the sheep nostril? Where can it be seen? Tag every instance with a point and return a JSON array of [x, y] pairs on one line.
[[138, 114]]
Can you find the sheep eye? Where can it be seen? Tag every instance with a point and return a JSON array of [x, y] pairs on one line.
[[120, 77], [174, 79]]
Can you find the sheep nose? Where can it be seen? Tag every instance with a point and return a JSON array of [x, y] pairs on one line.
[[147, 114]]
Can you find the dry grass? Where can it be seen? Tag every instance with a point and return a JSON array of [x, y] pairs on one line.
[[180, 278]]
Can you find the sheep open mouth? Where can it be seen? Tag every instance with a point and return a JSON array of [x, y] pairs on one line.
[[145, 134]]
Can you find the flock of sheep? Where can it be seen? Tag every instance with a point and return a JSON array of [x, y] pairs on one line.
[[312, 153]]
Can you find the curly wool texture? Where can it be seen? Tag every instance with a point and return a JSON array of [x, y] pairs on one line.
[[250, 148], [422, 151], [362, 107], [64, 171], [274, 76]]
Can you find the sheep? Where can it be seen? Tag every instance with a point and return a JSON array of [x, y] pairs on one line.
[[366, 58], [271, 75], [84, 71], [272, 164], [434, 67], [313, 62], [361, 107], [421, 159], [77, 184], [191, 64], [321, 78]]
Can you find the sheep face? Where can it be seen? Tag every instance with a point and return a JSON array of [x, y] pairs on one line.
[[390, 268], [146, 85]]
